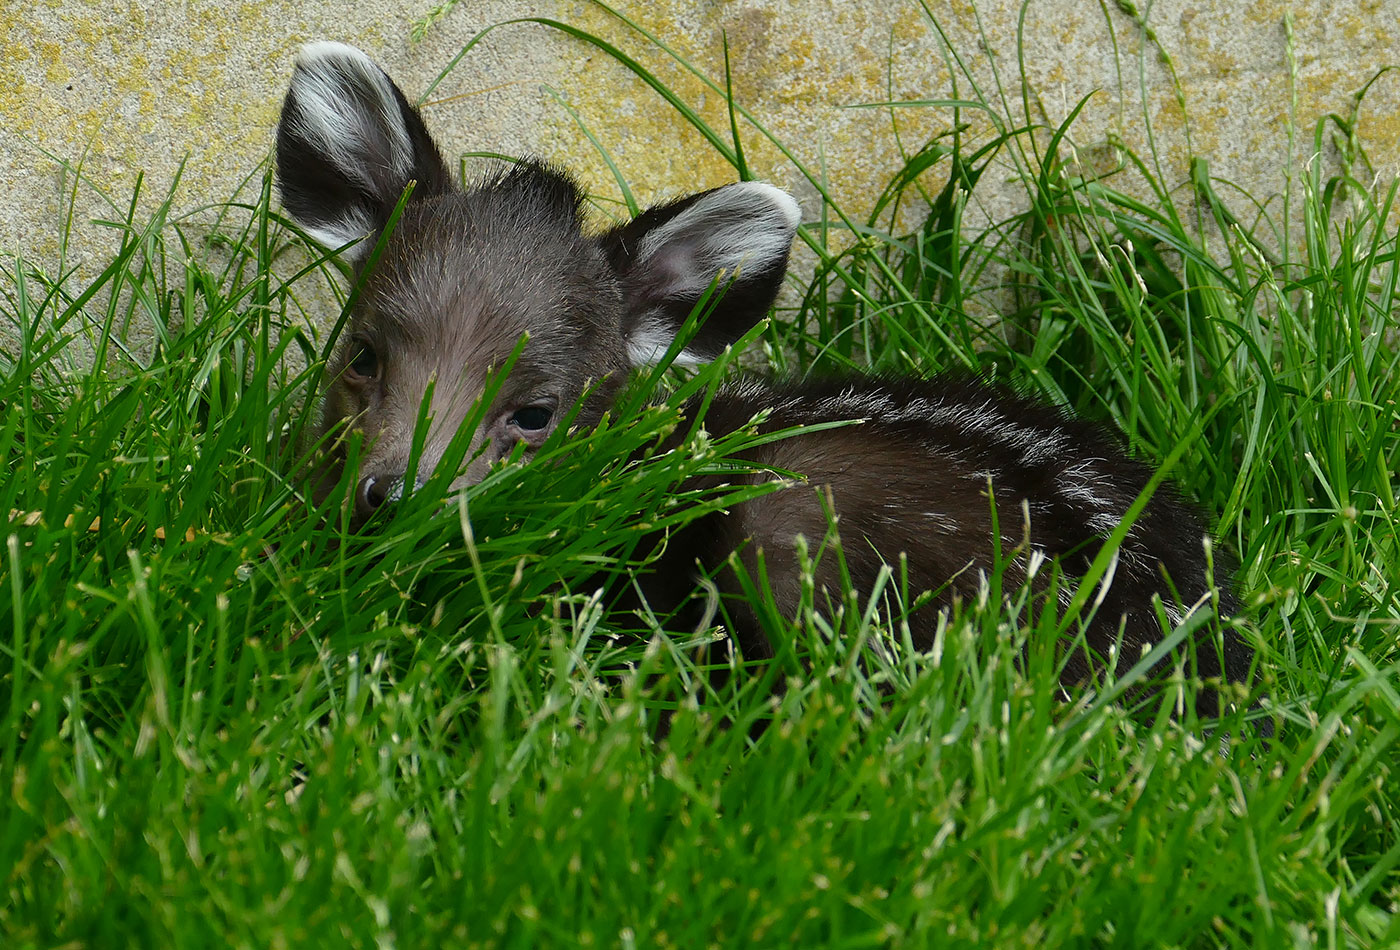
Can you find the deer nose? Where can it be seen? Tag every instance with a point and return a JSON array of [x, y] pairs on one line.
[[371, 494]]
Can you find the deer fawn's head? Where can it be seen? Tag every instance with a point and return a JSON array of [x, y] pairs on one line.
[[466, 272]]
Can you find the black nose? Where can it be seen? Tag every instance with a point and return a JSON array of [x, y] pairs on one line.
[[370, 494]]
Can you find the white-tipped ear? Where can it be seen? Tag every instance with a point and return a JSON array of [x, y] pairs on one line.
[[348, 143], [342, 125], [745, 225], [667, 259]]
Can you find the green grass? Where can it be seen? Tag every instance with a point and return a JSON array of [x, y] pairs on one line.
[[225, 722]]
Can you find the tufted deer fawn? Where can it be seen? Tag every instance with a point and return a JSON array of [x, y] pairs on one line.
[[465, 272]]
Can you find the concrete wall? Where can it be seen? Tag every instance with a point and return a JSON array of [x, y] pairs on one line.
[[137, 86]]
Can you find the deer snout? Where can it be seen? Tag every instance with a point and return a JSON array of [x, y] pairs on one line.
[[370, 493], [376, 491]]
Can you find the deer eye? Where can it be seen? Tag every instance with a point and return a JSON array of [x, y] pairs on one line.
[[531, 418], [364, 362]]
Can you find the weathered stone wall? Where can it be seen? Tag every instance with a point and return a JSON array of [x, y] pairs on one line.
[[140, 86]]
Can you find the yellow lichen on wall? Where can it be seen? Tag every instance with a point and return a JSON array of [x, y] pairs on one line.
[[134, 89], [802, 74], [138, 86]]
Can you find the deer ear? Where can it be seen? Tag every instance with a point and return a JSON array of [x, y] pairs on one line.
[[668, 257], [348, 143]]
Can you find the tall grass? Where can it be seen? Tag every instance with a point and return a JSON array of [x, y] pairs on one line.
[[227, 721]]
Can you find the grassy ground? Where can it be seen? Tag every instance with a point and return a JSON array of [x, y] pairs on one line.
[[223, 722]]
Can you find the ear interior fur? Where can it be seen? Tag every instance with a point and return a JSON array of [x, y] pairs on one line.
[[739, 226], [348, 143], [668, 257]]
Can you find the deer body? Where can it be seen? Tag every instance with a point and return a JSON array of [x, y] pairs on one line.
[[465, 272]]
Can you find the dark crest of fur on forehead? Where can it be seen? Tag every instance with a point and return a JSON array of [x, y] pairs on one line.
[[533, 191], [508, 251], [529, 203]]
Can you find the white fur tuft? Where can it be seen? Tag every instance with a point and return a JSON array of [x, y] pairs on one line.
[[782, 203], [650, 341], [336, 235]]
